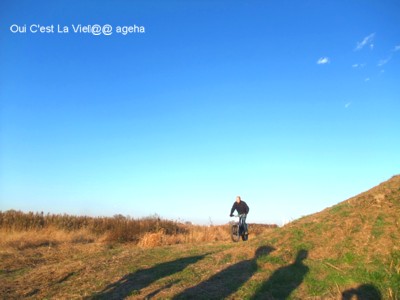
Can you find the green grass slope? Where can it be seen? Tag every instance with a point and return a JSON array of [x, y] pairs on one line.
[[353, 247]]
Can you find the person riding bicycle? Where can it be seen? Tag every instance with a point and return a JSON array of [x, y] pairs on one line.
[[242, 209]]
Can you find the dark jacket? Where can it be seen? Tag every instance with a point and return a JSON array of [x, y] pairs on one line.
[[241, 208]]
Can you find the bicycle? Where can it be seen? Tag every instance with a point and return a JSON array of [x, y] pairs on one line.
[[238, 230]]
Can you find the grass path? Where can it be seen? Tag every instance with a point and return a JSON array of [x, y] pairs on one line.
[[262, 268]]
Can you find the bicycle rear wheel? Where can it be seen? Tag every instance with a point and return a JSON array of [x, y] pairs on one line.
[[235, 233]]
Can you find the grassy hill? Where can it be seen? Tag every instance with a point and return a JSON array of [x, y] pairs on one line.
[[348, 251]]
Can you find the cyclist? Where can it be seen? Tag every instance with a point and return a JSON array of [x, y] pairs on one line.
[[242, 209]]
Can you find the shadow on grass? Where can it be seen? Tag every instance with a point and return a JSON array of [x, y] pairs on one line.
[[226, 282], [132, 283], [363, 292], [284, 280]]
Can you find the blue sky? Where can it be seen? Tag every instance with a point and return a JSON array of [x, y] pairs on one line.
[[291, 104]]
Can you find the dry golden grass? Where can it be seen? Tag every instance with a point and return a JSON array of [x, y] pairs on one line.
[[115, 229], [193, 234], [43, 238], [20, 230], [50, 237]]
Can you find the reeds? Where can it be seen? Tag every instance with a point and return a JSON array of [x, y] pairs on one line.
[[23, 230]]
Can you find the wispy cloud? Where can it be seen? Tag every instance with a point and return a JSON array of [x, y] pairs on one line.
[[323, 61], [347, 105], [367, 79], [358, 65], [383, 62], [366, 41]]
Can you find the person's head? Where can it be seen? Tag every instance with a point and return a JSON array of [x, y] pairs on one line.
[[238, 199], [301, 255]]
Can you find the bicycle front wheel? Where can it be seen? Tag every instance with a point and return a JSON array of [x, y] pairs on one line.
[[235, 235]]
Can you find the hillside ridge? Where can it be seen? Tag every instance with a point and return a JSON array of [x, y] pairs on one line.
[[368, 221]]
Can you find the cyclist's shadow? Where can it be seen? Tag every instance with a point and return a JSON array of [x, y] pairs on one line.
[[284, 280], [134, 282], [226, 282]]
